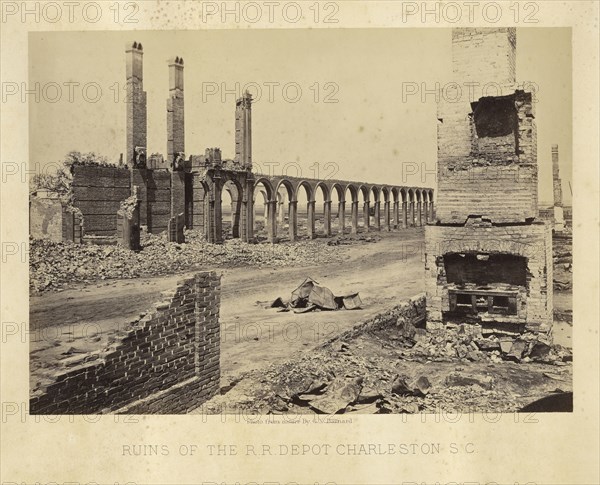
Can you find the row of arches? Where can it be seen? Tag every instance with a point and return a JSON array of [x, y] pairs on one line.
[[288, 209]]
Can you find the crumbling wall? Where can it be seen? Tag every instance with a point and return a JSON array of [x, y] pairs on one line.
[[159, 200], [165, 362], [45, 219], [97, 193], [532, 242]]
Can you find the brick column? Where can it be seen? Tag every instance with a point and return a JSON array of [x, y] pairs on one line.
[[177, 193], [386, 215], [217, 214], [293, 219], [327, 215], [272, 221], [367, 215], [135, 102], [397, 223], [354, 228], [249, 201], [175, 114], [378, 215], [311, 219], [342, 216], [432, 210]]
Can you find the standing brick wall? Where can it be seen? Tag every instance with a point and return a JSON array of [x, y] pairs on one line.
[[164, 363], [97, 193], [159, 200]]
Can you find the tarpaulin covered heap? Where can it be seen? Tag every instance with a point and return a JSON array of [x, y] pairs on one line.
[[311, 296]]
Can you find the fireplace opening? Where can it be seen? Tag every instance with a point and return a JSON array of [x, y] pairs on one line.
[[488, 285], [485, 270]]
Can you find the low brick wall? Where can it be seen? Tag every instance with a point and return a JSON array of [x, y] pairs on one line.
[[164, 363], [407, 315]]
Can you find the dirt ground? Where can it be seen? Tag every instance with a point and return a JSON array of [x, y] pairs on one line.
[[253, 337], [82, 318]]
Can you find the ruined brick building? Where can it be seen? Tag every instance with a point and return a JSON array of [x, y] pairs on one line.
[[175, 191], [488, 256]]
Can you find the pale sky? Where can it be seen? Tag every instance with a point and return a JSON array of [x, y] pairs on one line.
[[371, 134]]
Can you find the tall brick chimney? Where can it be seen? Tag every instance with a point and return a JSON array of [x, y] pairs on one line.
[[559, 218], [136, 106], [243, 131], [175, 115], [488, 258]]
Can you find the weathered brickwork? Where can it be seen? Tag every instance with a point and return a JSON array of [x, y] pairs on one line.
[[488, 258], [136, 101], [175, 113], [97, 193], [530, 241], [165, 362], [169, 186], [486, 133]]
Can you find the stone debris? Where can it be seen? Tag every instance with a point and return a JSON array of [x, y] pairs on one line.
[[55, 265]]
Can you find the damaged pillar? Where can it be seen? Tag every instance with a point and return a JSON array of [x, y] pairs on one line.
[[411, 213], [377, 215], [243, 131], [367, 214], [354, 228], [404, 215], [272, 221], [311, 219], [559, 218], [136, 107], [396, 214], [248, 200], [281, 208], [293, 219], [419, 213], [386, 215], [175, 116], [327, 216], [341, 216], [217, 214]]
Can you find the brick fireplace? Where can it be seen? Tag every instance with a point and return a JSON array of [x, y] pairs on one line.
[[488, 256]]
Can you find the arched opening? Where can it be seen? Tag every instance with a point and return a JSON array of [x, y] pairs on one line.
[[231, 208], [431, 207], [286, 211], [264, 220], [338, 214], [306, 210], [418, 208], [363, 209], [375, 209], [322, 210], [351, 213], [385, 208], [396, 202]]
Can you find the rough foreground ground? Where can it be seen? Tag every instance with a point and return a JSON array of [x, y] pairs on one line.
[[263, 351]]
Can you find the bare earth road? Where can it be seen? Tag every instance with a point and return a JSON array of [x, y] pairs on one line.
[[383, 273]]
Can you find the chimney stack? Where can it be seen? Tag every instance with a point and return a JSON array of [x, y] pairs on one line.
[[243, 131], [175, 115], [136, 106]]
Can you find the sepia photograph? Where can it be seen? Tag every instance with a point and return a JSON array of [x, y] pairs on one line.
[[299, 243], [325, 223]]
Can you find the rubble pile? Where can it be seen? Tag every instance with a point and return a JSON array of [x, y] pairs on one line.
[[563, 262], [381, 371], [467, 342], [54, 265]]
